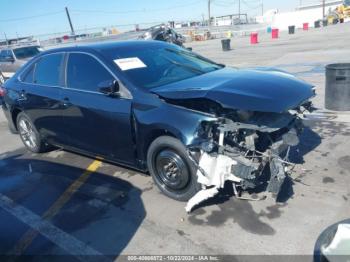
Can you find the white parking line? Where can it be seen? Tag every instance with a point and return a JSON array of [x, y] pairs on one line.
[[60, 238]]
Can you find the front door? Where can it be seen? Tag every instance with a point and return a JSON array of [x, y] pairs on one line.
[[96, 123]]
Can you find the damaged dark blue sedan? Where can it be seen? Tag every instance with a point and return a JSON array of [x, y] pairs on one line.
[[192, 123]]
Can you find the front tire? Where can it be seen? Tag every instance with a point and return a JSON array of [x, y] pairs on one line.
[[171, 168], [29, 135]]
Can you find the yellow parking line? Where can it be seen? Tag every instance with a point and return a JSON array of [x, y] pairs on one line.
[[30, 235]]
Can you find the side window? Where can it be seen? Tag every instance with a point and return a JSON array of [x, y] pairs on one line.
[[48, 70], [5, 54], [85, 72]]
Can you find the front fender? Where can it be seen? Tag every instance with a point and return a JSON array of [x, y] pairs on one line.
[[166, 119]]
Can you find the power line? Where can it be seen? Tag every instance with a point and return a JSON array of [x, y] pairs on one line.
[[248, 4], [134, 11], [97, 11], [224, 3], [30, 17]]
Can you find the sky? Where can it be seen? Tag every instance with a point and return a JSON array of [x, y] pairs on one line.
[[44, 17]]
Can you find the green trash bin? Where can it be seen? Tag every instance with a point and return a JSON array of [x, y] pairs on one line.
[[291, 29], [226, 44]]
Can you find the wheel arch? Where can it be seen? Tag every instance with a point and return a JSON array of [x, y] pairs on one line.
[[15, 112], [153, 135]]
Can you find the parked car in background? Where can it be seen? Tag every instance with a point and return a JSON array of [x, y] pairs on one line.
[[192, 123], [163, 33], [12, 58]]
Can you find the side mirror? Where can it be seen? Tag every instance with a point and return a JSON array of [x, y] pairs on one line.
[[109, 87]]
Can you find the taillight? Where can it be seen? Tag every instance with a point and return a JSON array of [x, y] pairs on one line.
[[2, 91]]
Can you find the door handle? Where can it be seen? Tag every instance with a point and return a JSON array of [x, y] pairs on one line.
[[66, 102]]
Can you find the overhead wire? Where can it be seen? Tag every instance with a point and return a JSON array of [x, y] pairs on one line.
[[225, 3], [248, 4], [134, 11], [30, 17], [98, 11]]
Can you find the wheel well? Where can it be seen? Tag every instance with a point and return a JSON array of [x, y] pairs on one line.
[[15, 113], [154, 136]]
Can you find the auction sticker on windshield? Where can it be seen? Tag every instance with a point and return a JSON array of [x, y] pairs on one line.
[[129, 63]]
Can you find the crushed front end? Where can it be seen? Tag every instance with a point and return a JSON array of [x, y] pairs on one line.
[[240, 146]]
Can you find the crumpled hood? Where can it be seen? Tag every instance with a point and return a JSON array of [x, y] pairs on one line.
[[259, 89]]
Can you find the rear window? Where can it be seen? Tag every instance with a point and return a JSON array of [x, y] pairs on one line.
[[48, 70], [26, 52]]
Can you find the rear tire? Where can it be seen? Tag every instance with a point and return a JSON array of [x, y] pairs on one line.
[[29, 134], [171, 168]]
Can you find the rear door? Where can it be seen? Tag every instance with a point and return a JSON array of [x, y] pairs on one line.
[[95, 122], [40, 93]]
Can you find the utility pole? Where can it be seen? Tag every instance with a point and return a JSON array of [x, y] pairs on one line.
[[262, 7], [70, 21], [209, 17], [239, 11], [7, 43], [324, 8]]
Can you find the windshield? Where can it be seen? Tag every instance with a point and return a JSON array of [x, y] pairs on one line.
[[160, 66], [26, 52]]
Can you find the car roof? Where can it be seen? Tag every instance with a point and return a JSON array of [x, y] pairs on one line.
[[107, 46]]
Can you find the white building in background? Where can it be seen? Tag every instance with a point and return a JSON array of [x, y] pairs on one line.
[[268, 17], [302, 14]]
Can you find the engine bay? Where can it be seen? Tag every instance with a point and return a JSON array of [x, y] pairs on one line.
[[241, 146]]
